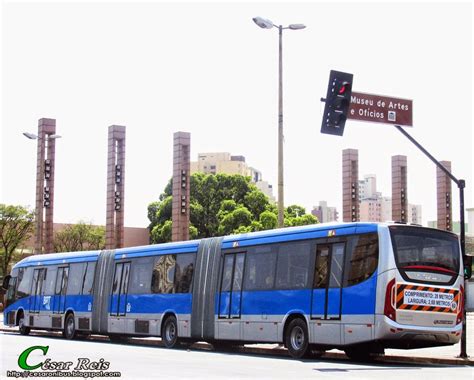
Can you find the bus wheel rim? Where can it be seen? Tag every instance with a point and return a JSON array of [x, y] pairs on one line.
[[170, 332], [70, 326], [297, 338]]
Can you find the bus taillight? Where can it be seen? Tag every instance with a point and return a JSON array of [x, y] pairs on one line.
[[461, 306], [389, 309]]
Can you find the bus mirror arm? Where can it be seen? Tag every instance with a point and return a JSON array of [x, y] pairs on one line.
[[6, 281]]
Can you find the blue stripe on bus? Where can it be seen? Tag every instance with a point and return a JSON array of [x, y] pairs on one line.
[[181, 303], [356, 299], [49, 304]]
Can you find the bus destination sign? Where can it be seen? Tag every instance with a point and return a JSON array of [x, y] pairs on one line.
[[381, 109]]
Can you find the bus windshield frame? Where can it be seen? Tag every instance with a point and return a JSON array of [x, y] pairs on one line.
[[418, 249]]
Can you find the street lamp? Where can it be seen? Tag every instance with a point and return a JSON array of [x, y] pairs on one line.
[[267, 24]]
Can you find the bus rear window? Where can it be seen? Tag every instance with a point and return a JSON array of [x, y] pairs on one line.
[[418, 249]]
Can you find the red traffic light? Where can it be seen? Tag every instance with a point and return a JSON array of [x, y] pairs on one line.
[[345, 87]]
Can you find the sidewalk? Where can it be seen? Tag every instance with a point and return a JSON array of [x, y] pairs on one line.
[[446, 355]]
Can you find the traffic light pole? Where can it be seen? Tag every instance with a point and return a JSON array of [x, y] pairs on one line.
[[461, 185]]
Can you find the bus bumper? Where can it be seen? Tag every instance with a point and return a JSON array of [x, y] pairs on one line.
[[409, 336]]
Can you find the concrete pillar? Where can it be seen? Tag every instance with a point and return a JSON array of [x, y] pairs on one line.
[[181, 182], [350, 185], [399, 189], [114, 225], [444, 198], [45, 165]]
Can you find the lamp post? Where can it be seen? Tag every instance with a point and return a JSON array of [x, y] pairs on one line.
[[267, 24], [44, 184]]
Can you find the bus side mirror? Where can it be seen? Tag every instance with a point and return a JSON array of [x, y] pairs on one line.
[[467, 267], [6, 281]]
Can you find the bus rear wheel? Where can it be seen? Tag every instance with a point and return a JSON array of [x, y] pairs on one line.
[[169, 333], [297, 338], [24, 330], [69, 327]]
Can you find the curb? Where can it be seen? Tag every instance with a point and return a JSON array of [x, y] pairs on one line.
[[396, 359]]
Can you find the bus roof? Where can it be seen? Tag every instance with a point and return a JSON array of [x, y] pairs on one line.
[[58, 258], [299, 232], [261, 237], [82, 256]]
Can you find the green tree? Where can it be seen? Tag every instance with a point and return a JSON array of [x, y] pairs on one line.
[[79, 237], [16, 226], [221, 204], [268, 220]]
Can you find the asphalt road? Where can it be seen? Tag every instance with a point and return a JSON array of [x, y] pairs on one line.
[[151, 362]]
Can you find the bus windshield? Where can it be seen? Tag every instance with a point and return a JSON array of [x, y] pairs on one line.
[[416, 248]]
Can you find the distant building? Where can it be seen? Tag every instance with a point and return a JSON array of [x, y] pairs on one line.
[[374, 207], [456, 226], [225, 163], [324, 213]]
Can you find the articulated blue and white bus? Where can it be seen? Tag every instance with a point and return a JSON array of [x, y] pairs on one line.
[[360, 287]]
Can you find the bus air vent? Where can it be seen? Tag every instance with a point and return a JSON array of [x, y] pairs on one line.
[[142, 327]]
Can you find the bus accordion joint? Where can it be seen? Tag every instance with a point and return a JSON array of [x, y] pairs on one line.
[[389, 309]]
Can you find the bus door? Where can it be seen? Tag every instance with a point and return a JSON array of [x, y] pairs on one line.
[[230, 296], [36, 286], [60, 290], [118, 302], [327, 282]]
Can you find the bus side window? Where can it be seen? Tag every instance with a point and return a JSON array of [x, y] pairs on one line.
[[162, 280], [184, 272], [293, 266], [76, 276], [260, 270], [25, 276], [61, 280], [140, 277], [88, 284], [363, 259], [48, 288], [321, 269]]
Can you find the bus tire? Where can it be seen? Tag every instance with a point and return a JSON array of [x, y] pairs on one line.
[[69, 327], [169, 333], [24, 330], [297, 338]]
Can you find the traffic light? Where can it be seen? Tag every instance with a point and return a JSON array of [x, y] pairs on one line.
[[338, 99]]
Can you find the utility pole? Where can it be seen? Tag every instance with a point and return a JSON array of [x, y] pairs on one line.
[[461, 185]]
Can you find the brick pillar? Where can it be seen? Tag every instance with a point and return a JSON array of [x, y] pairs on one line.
[[45, 163], [114, 226], [350, 185], [399, 189], [181, 181], [444, 198]]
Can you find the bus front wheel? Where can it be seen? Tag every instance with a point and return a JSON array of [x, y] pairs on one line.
[[24, 330], [297, 338], [169, 333]]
